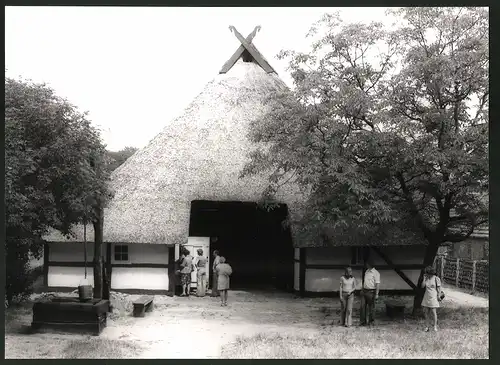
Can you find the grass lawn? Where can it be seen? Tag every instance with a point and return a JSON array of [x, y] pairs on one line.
[[463, 334]]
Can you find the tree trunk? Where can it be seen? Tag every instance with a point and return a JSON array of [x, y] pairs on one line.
[[98, 263], [430, 254]]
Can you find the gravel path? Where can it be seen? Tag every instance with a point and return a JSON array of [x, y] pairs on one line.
[[457, 298], [199, 327]]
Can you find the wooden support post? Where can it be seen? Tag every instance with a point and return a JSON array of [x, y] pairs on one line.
[[45, 266], [106, 271], [457, 273], [473, 276], [302, 271], [171, 271], [109, 267], [442, 268], [98, 224], [353, 255], [366, 257]]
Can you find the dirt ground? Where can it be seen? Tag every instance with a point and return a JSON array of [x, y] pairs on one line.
[[199, 327]]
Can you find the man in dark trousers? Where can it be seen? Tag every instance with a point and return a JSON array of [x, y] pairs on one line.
[[215, 292], [369, 294]]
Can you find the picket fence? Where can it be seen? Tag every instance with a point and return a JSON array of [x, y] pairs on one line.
[[466, 274]]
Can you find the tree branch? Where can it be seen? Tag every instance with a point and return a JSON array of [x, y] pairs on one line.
[[413, 208], [481, 106]]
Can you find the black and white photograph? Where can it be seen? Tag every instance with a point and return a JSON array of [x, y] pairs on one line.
[[246, 182]]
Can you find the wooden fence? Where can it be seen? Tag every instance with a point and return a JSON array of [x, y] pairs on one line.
[[466, 274]]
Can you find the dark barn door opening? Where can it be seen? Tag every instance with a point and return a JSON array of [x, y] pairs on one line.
[[252, 239]]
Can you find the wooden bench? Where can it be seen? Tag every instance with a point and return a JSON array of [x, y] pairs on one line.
[[142, 305], [395, 308]]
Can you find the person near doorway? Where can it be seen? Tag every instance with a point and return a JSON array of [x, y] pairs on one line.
[[215, 292], [186, 270], [201, 273], [178, 275], [369, 294], [223, 271], [346, 292], [430, 302]]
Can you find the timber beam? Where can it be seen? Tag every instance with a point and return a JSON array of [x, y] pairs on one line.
[[394, 267]]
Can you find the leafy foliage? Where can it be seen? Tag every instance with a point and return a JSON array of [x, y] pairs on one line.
[[56, 173], [119, 157], [386, 129]]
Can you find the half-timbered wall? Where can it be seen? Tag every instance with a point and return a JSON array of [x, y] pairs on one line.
[[325, 266], [145, 269]]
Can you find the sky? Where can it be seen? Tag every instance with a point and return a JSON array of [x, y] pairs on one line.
[[135, 69]]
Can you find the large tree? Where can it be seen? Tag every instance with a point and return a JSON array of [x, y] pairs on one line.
[[55, 176], [386, 128]]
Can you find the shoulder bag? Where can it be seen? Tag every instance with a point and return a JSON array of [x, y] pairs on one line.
[[441, 294]]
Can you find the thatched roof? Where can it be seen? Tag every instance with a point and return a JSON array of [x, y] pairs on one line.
[[197, 156]]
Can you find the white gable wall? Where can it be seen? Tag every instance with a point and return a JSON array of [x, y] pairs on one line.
[[145, 278]]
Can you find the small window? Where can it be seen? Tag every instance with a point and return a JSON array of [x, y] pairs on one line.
[[121, 253]]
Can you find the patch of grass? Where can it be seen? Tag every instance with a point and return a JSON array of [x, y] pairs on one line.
[[15, 312], [18, 319], [463, 334], [64, 348], [98, 348], [28, 347]]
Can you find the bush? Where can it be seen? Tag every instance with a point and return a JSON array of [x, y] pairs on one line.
[[19, 274]]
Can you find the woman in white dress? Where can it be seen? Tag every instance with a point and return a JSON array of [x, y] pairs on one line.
[[430, 303]]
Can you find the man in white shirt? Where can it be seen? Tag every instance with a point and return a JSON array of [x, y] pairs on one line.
[[369, 294]]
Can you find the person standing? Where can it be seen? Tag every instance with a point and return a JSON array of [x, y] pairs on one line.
[[201, 274], [369, 294], [186, 270], [178, 275], [223, 271], [346, 292], [215, 292], [430, 302]]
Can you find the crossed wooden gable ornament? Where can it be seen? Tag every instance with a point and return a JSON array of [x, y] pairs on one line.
[[249, 49]]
